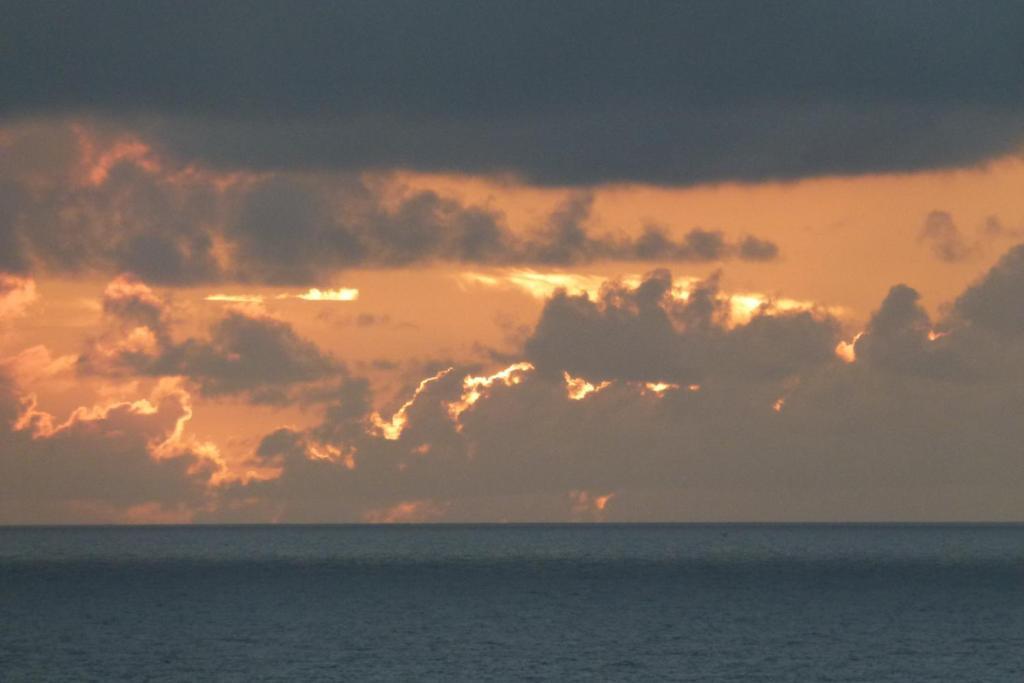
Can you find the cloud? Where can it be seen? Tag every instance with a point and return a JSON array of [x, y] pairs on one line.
[[738, 307], [244, 354], [132, 302], [851, 445], [675, 93], [942, 234], [110, 203], [645, 334], [756, 249], [16, 295], [980, 339], [36, 363], [995, 302], [62, 215], [948, 243], [911, 428], [634, 404], [120, 462], [425, 227], [897, 335]]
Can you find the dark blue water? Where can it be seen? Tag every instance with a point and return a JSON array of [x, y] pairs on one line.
[[673, 602]]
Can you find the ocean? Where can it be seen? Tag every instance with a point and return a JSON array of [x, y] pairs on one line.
[[518, 602]]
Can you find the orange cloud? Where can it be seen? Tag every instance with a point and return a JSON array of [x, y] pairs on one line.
[[660, 388], [345, 456], [16, 294], [127, 287], [169, 405], [99, 512], [578, 388], [589, 506], [134, 151], [846, 350], [36, 363], [97, 158], [139, 341], [117, 461], [407, 512]]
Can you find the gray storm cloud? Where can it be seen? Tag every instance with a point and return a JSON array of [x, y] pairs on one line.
[[576, 93]]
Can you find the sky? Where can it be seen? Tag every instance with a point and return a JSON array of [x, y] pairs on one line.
[[511, 261]]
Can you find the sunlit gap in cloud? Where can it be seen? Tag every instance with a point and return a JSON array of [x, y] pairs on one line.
[[235, 298], [313, 294], [474, 387], [578, 388], [660, 388], [542, 285], [392, 429], [845, 350]]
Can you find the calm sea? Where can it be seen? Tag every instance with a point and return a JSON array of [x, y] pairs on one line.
[[602, 602]]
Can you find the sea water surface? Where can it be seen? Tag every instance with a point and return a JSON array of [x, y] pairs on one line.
[[530, 602]]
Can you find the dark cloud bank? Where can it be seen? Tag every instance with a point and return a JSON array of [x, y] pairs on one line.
[[172, 224], [923, 425], [560, 93]]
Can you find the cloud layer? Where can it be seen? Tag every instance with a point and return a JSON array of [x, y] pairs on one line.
[[639, 404], [578, 93], [75, 199]]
